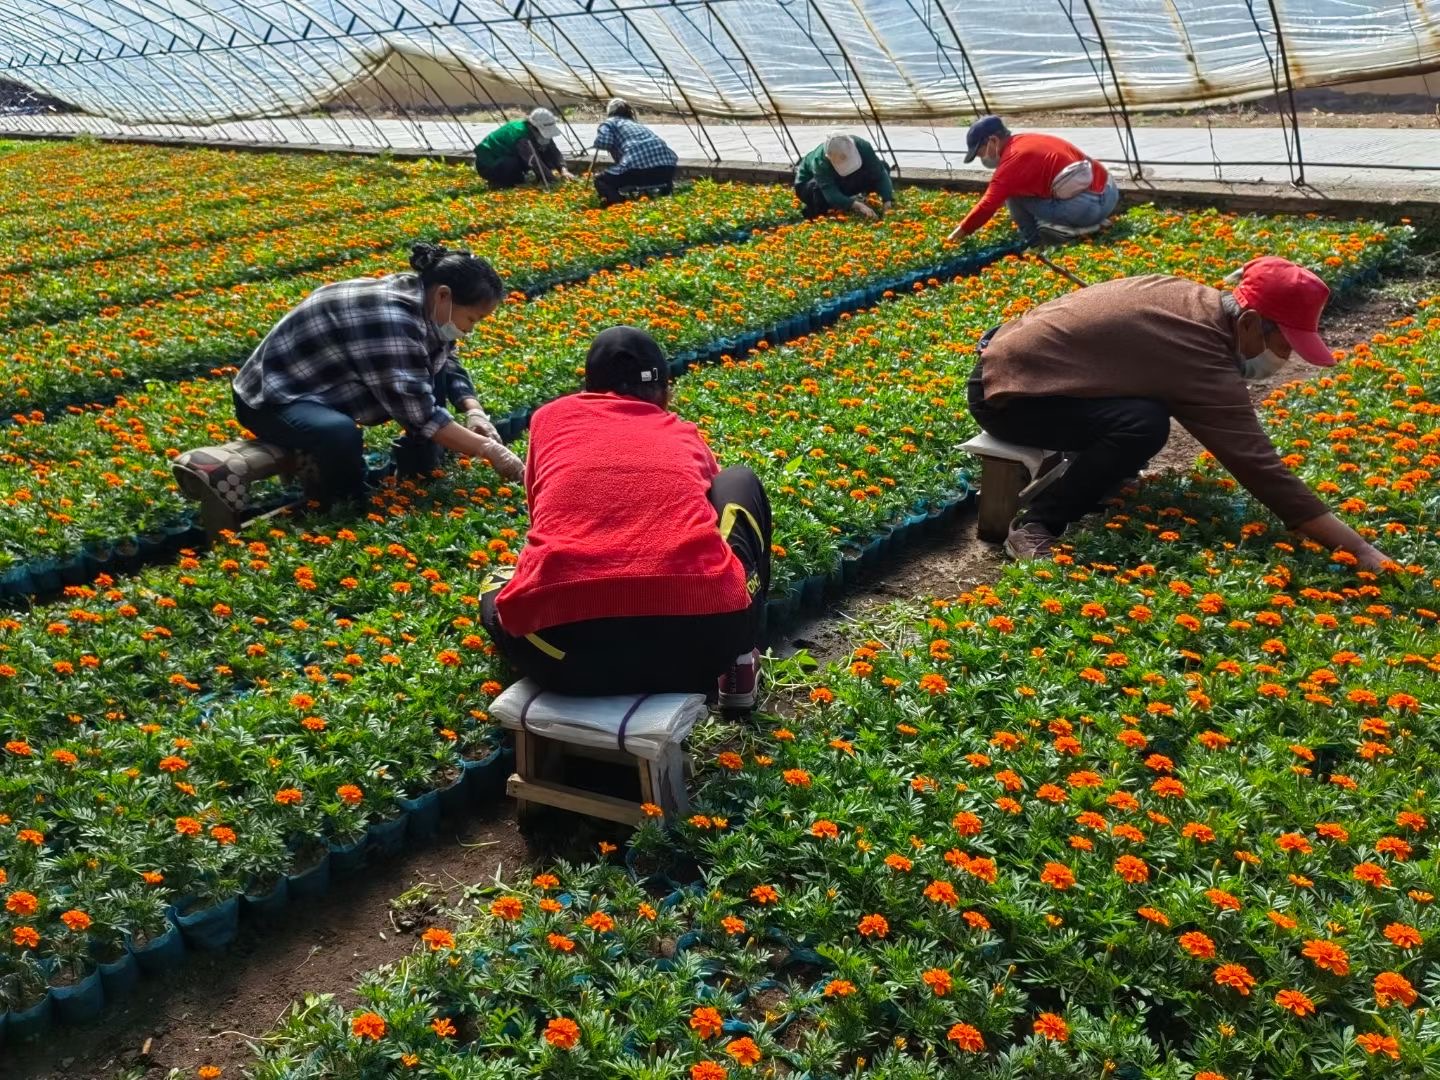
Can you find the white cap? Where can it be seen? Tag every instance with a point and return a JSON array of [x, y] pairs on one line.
[[842, 153], [544, 122]]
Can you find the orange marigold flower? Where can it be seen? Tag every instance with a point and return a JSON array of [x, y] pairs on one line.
[[976, 921], [937, 892], [26, 937], [1285, 922], [1133, 871], [967, 1038], [1057, 876], [562, 1033], [730, 760], [1235, 976], [1370, 874], [733, 926], [796, 777], [560, 943], [764, 894], [1331, 831], [898, 863], [208, 1072], [1197, 944], [443, 1026], [874, 926], [744, 1051], [223, 834], [825, 830], [838, 988], [21, 902], [1402, 936], [438, 938], [706, 1022], [76, 920], [187, 826], [1295, 1002], [368, 1025], [933, 684], [545, 882], [350, 794], [507, 908], [1391, 987], [1150, 914], [1327, 956], [708, 1070], [289, 796], [1050, 1026], [1375, 1043], [600, 922], [1222, 899], [938, 980]]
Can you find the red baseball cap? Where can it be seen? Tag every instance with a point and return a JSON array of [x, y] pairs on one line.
[[1292, 298]]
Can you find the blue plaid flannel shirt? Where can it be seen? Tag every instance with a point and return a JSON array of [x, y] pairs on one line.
[[365, 348], [634, 146]]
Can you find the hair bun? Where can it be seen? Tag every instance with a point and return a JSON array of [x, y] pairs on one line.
[[425, 256]]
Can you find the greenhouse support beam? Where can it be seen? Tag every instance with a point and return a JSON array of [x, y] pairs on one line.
[[1119, 92], [1290, 92]]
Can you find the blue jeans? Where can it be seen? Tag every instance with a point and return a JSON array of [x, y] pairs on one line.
[[330, 437], [1086, 209]]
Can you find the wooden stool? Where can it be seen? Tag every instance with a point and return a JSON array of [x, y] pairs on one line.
[[643, 732], [1010, 476]]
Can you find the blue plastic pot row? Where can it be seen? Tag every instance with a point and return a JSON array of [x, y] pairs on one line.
[[214, 927]]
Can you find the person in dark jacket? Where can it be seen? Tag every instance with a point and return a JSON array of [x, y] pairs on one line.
[[1102, 370], [642, 158], [646, 566], [513, 150], [838, 174]]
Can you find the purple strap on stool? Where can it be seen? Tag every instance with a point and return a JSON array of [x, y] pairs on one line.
[[625, 720], [525, 709]]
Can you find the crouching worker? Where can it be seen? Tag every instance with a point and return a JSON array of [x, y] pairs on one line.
[[359, 353], [510, 152], [1102, 370], [838, 174], [647, 566], [642, 158]]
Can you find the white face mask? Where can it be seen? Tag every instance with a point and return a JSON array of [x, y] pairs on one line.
[[1261, 366], [989, 162], [448, 331]]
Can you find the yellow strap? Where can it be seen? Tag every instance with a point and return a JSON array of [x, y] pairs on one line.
[[545, 647], [727, 521]]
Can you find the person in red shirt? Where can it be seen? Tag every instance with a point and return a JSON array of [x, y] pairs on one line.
[[647, 566], [1051, 188]]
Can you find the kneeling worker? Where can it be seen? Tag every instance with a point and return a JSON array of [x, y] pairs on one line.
[[647, 566], [358, 353], [1051, 188], [642, 158], [508, 153], [838, 174], [1100, 371]]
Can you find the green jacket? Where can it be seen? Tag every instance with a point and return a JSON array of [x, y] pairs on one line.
[[502, 142], [873, 176]]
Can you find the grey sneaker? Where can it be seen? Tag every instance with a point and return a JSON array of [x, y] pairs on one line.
[[1029, 541]]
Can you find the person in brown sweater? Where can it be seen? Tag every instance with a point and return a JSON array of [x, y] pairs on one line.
[[1101, 371]]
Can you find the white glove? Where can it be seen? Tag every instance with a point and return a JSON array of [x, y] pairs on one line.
[[504, 461], [479, 423]]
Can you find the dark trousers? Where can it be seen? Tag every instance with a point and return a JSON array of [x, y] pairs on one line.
[[336, 445], [812, 200], [1113, 439], [609, 182], [507, 173], [654, 653]]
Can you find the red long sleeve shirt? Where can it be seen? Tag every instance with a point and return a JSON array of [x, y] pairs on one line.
[[1028, 166], [621, 522]]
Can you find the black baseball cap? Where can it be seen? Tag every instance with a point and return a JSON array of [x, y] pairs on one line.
[[623, 359], [981, 130]]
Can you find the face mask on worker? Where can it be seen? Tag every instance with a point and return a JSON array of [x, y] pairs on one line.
[[1260, 366], [989, 160], [447, 330]]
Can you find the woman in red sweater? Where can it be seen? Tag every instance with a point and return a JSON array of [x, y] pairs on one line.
[[647, 566]]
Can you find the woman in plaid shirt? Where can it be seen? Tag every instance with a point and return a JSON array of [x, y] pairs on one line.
[[642, 158], [361, 352]]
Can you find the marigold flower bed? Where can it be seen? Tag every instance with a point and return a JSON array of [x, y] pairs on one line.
[[88, 358], [1158, 808]]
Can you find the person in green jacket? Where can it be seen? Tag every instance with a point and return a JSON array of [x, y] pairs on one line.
[[838, 174], [508, 153]]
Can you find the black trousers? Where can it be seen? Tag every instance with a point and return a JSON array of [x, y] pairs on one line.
[[609, 182], [507, 173], [336, 444], [812, 201], [1113, 439], [654, 653]]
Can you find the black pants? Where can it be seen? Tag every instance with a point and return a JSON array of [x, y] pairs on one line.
[[654, 653], [609, 182], [1114, 439], [506, 173], [332, 439], [812, 201]]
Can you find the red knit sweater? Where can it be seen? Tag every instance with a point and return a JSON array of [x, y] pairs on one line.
[[1028, 166], [620, 519]]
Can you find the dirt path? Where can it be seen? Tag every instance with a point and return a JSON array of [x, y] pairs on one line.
[[205, 1013]]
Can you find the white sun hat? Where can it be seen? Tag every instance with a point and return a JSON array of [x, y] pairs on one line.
[[842, 153]]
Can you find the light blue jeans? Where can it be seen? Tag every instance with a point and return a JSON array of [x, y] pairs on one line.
[[1086, 209]]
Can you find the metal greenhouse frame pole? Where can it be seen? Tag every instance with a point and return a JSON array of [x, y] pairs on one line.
[[1293, 154], [779, 118]]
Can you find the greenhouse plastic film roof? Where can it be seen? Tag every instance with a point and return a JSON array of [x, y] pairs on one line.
[[177, 61]]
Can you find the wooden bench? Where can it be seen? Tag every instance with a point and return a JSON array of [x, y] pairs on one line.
[[556, 735], [218, 478], [1010, 476]]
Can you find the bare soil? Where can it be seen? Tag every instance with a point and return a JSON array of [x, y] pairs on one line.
[[217, 1002]]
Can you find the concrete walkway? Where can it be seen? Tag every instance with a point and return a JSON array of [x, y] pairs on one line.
[[1341, 157]]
